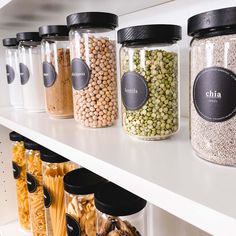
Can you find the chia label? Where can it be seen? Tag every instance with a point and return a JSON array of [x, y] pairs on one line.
[[134, 91], [214, 94], [47, 197], [10, 74], [31, 183], [49, 74], [80, 74], [72, 226], [24, 74], [16, 170]]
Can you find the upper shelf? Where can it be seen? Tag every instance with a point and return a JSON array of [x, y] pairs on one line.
[[166, 173]]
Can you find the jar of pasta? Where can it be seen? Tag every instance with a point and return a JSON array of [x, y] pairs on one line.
[[54, 169], [119, 212], [35, 188], [19, 173], [55, 53], [80, 186]]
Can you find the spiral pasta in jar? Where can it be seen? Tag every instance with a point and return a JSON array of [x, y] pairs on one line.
[[54, 169], [35, 188], [93, 62], [19, 172], [150, 80], [80, 186]]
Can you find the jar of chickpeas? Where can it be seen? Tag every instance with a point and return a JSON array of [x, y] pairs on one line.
[[19, 173], [93, 62], [35, 187], [80, 186]]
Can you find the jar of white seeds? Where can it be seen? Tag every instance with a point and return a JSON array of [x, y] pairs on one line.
[[213, 85], [93, 63]]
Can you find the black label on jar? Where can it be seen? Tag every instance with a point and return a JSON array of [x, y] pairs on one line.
[[214, 94], [10, 74], [72, 226], [24, 74], [31, 183], [49, 74], [80, 74], [47, 197], [16, 170], [134, 91]]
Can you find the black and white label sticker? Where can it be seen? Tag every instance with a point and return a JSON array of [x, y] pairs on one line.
[[31, 183], [214, 94], [72, 226], [49, 74], [134, 91], [16, 170], [47, 197], [10, 74], [80, 74], [24, 74]]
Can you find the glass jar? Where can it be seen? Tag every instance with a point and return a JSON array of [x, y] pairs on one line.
[[35, 188], [31, 73], [149, 64], [93, 63], [213, 85], [56, 70], [19, 173], [54, 169], [12, 71], [80, 185]]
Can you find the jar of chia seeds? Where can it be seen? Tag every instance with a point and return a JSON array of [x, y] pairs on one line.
[[213, 85], [149, 67], [93, 63]]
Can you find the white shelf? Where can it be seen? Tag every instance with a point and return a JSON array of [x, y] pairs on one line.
[[12, 229], [166, 173]]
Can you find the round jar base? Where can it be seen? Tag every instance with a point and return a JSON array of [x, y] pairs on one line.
[[53, 116], [95, 127]]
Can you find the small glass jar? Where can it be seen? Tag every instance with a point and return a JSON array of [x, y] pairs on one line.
[[149, 64], [13, 74], [31, 73], [93, 62], [35, 187], [55, 50], [119, 212], [80, 186], [213, 85], [54, 169], [19, 173]]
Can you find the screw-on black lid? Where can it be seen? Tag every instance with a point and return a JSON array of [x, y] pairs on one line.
[[143, 34], [15, 136], [212, 21], [53, 30], [27, 36], [116, 201], [31, 145], [51, 157], [93, 20], [8, 42], [82, 181]]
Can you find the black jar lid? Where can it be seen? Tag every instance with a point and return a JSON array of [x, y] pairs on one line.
[[142, 34], [212, 21], [14, 136], [82, 181], [116, 201], [27, 36], [8, 42], [51, 157], [93, 20], [31, 145], [53, 30]]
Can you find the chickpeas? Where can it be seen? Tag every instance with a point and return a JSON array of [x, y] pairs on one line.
[[96, 104]]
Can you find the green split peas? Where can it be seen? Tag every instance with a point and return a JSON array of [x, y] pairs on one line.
[[158, 118]]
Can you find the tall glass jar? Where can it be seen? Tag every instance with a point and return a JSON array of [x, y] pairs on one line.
[[19, 173], [54, 169], [119, 212], [213, 85], [13, 74], [80, 186], [31, 73], [55, 51], [149, 64], [93, 61], [35, 188]]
